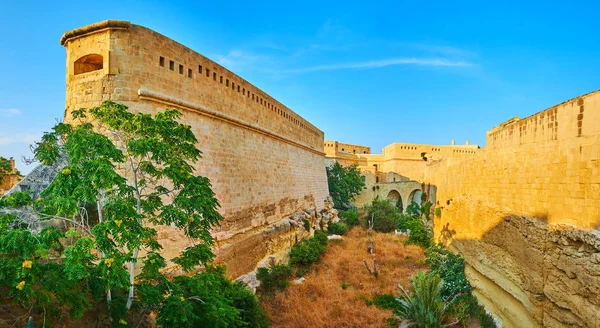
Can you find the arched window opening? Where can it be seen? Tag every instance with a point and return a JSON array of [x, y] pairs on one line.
[[88, 63]]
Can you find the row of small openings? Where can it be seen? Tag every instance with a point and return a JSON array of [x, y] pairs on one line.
[[354, 151], [329, 145], [408, 147], [243, 92], [435, 149], [172, 67], [464, 151]]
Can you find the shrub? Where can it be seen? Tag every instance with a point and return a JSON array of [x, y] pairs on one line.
[[321, 238], [337, 228], [385, 215], [209, 299], [384, 301], [424, 306], [274, 278], [349, 217], [306, 224], [301, 272], [451, 268], [419, 234], [309, 250]]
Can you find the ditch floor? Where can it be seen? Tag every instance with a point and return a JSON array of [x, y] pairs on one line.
[[338, 291]]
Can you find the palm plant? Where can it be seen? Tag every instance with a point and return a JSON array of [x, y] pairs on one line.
[[425, 306]]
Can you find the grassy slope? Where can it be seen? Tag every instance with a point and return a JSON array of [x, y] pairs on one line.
[[321, 302]]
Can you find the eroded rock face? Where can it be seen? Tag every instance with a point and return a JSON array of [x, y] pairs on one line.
[[277, 240], [526, 272]]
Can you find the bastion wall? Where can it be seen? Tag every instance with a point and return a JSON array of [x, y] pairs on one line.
[[525, 211], [264, 161]]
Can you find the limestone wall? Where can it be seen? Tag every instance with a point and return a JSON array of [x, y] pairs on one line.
[[525, 212], [265, 162], [10, 178]]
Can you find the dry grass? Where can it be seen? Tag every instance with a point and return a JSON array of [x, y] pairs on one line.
[[321, 302]]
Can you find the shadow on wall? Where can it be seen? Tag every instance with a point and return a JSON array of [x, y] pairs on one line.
[[527, 272]]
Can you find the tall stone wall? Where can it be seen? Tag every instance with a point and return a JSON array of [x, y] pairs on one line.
[[525, 213], [265, 162]]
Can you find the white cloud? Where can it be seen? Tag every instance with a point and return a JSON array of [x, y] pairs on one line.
[[10, 112], [26, 138], [381, 63], [6, 140]]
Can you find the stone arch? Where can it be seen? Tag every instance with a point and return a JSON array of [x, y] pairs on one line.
[[415, 196], [88, 63], [394, 197]]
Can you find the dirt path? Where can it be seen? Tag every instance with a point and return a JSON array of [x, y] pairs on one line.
[[322, 302]]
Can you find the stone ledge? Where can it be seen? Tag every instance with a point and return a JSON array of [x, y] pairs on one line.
[[107, 24], [180, 103]]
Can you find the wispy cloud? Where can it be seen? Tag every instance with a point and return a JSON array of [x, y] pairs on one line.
[[27, 138], [6, 140], [381, 63], [239, 59], [10, 112]]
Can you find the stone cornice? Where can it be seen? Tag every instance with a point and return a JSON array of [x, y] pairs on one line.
[[84, 30]]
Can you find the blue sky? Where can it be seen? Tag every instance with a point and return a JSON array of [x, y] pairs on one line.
[[365, 72]]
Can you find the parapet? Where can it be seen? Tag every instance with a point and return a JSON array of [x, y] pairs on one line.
[[127, 63], [107, 24]]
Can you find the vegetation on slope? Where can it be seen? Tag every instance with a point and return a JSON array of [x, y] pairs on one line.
[[117, 186], [339, 292]]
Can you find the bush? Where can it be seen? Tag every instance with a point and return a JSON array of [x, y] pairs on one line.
[[301, 272], [424, 306], [385, 215], [209, 299], [306, 224], [321, 238], [451, 268], [274, 278], [309, 250], [337, 228], [384, 301], [419, 233], [349, 217]]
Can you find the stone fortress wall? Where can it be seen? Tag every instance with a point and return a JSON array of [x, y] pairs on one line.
[[525, 212], [398, 172], [265, 162]]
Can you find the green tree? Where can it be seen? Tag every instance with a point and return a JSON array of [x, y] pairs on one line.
[[386, 216], [344, 184], [125, 174]]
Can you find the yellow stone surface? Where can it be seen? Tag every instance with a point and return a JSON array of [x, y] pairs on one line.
[[9, 181], [524, 210], [264, 161]]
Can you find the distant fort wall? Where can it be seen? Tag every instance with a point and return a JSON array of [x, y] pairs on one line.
[[265, 162]]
